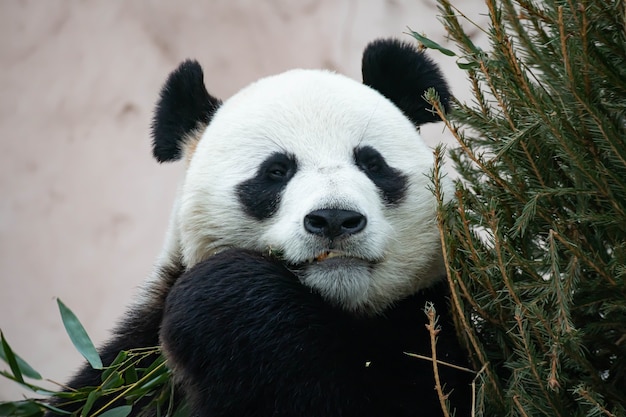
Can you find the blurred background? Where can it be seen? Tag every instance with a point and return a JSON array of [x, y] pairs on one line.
[[83, 206]]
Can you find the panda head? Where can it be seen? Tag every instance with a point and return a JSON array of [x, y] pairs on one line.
[[325, 173]]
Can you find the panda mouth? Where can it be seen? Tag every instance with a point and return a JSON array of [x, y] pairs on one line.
[[338, 257], [326, 255]]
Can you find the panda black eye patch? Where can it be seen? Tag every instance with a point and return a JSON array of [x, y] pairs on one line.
[[260, 195], [391, 182]]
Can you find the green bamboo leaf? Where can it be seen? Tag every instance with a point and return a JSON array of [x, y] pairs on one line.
[[113, 381], [121, 357], [154, 382], [432, 44], [34, 388], [26, 369], [157, 363], [121, 411], [26, 408], [55, 410], [6, 408], [91, 398], [11, 360], [79, 336], [131, 375]]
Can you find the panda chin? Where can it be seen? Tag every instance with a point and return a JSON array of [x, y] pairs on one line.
[[342, 281]]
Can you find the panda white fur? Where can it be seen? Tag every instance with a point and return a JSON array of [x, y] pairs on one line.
[[302, 247]]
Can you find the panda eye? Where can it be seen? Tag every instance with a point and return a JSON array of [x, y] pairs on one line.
[[368, 160], [278, 168], [260, 195], [277, 172], [373, 164], [390, 181]]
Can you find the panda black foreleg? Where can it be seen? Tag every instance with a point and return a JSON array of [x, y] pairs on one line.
[[246, 338]]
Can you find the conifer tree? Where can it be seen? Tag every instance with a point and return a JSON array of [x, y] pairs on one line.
[[535, 240]]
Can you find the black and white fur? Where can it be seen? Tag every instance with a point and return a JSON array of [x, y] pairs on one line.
[[302, 247]]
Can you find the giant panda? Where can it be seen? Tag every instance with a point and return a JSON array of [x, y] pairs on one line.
[[302, 248]]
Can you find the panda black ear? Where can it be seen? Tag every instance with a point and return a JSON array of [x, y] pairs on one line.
[[184, 108], [402, 73]]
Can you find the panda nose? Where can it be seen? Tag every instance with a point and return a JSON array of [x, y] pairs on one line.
[[334, 223]]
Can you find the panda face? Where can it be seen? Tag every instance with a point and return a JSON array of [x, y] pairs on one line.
[[324, 173]]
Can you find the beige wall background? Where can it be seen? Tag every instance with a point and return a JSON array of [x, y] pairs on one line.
[[83, 206]]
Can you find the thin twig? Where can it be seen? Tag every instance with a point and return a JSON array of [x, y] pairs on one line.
[[454, 297], [448, 364], [434, 331]]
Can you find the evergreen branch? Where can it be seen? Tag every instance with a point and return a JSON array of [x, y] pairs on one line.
[[535, 14], [476, 307], [494, 92], [532, 364], [533, 165], [553, 380], [529, 45], [583, 393], [467, 237], [453, 27], [570, 76], [563, 298], [584, 25], [467, 151], [503, 268], [466, 18], [580, 254], [478, 94], [519, 406]]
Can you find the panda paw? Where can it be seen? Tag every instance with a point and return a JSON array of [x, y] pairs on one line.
[[240, 328]]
